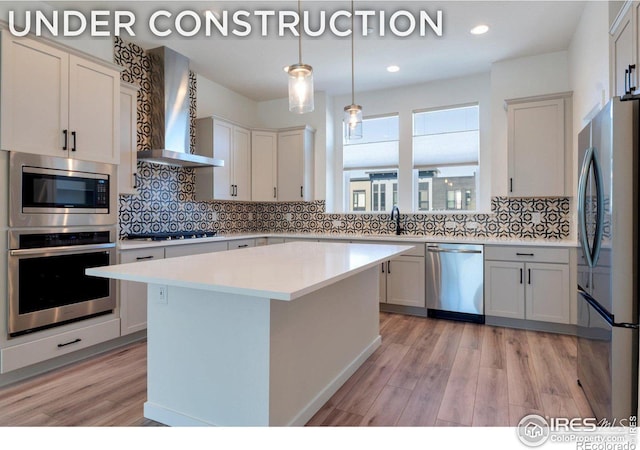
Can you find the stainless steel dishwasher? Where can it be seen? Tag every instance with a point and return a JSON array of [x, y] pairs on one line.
[[455, 282]]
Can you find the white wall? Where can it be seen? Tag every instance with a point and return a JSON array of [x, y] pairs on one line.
[[515, 78], [405, 101], [589, 66], [216, 100], [275, 114]]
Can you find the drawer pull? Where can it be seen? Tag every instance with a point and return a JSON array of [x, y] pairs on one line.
[[75, 341], [142, 258], [525, 254], [243, 246]]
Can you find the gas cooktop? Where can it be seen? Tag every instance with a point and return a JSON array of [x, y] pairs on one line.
[[178, 235]]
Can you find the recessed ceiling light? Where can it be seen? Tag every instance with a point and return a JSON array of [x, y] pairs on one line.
[[480, 29], [393, 69]]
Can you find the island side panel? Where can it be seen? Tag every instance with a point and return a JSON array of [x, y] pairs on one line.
[[318, 341], [208, 358]]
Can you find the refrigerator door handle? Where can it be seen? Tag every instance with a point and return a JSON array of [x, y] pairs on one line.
[[582, 210], [597, 171], [606, 315]]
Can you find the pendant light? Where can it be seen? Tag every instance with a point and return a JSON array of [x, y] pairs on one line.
[[352, 112], [300, 80]]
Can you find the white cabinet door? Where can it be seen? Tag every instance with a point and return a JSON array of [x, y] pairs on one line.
[[133, 295], [127, 170], [504, 290], [173, 251], [405, 281], [94, 98], [622, 55], [242, 243], [536, 148], [264, 168], [547, 292], [219, 139], [382, 293], [35, 92], [241, 164], [222, 149], [295, 165]]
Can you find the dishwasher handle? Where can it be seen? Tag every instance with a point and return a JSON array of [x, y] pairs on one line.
[[446, 250]]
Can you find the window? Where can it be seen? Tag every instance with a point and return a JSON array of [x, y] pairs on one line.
[[445, 158], [359, 200], [370, 166]]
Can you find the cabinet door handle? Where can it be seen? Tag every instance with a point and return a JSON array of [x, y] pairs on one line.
[[525, 254], [274, 193], [231, 190], [389, 267], [66, 140], [75, 341], [632, 88], [73, 135], [382, 267], [520, 276], [301, 191], [626, 81], [529, 275], [510, 184], [142, 258], [236, 190]]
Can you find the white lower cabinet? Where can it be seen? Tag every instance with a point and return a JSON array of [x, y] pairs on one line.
[[174, 251], [32, 352], [536, 290], [402, 278], [242, 243], [133, 295], [405, 281]]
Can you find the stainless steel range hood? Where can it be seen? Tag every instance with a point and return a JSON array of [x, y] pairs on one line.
[[170, 141]]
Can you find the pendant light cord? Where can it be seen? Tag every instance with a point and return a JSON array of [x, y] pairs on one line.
[[353, 84], [299, 33]]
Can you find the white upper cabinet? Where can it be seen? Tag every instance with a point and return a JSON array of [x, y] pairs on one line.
[[220, 139], [264, 166], [58, 104], [295, 164], [624, 50], [539, 146]]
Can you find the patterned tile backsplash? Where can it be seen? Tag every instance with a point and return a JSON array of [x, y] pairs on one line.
[[166, 197], [166, 203]]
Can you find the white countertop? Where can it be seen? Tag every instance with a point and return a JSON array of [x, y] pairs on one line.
[[136, 244], [282, 272]]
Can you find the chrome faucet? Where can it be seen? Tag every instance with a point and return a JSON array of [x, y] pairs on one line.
[[396, 211]]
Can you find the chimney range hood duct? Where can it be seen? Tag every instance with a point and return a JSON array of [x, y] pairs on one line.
[[170, 141]]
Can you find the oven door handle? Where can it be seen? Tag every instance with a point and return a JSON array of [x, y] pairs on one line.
[[66, 249]]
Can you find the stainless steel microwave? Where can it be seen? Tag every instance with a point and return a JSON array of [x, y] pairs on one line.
[[51, 191]]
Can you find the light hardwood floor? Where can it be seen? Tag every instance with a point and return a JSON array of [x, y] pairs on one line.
[[426, 373]]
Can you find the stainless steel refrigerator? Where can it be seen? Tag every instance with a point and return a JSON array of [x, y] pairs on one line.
[[608, 261]]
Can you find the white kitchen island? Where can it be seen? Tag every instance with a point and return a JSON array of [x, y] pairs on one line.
[[259, 336]]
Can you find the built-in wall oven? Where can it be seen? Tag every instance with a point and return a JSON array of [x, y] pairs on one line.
[[62, 220], [47, 281]]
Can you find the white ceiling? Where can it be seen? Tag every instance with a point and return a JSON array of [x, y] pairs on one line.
[[253, 66]]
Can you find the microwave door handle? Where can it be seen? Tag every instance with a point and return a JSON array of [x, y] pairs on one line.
[[597, 172], [582, 209]]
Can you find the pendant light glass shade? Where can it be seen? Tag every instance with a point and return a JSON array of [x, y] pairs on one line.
[[300, 88], [353, 122], [352, 112]]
